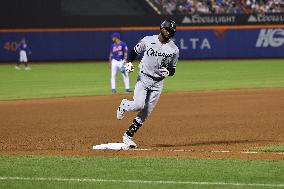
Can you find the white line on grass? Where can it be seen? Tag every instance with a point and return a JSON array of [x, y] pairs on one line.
[[138, 181]]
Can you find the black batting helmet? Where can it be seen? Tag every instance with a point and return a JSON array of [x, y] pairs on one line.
[[170, 26]]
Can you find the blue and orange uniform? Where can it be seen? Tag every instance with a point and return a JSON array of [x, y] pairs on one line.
[[117, 57]]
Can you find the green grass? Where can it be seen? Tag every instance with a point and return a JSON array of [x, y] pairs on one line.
[[118, 172], [54, 80], [81, 79], [274, 148], [227, 74]]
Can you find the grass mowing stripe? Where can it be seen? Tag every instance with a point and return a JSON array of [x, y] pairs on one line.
[[139, 169], [138, 181], [275, 148]]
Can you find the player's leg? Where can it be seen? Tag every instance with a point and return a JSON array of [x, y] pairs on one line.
[[25, 60], [138, 102], [20, 60], [17, 67], [150, 103], [125, 77], [126, 81], [139, 97], [114, 69]]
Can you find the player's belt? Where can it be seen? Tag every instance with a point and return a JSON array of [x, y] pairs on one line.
[[152, 77]]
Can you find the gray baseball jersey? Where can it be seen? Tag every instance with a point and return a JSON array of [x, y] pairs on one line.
[[156, 55], [149, 84]]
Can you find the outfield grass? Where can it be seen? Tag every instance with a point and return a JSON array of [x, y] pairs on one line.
[[81, 79], [114, 172], [54, 80]]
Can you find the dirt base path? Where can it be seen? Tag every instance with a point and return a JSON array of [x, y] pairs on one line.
[[221, 124]]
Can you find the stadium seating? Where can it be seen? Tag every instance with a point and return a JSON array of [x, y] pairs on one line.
[[109, 7]]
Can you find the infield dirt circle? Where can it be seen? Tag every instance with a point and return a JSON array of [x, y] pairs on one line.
[[221, 124]]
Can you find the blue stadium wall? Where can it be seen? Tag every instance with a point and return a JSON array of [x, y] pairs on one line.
[[193, 44]]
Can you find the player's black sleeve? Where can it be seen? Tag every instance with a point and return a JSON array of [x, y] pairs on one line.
[[171, 71], [131, 56]]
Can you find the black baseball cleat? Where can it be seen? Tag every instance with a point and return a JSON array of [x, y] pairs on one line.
[[113, 91], [128, 90]]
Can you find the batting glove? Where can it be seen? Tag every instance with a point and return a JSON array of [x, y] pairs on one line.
[[129, 67], [164, 72]]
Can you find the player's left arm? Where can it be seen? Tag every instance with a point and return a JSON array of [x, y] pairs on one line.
[[110, 58], [125, 54], [173, 64]]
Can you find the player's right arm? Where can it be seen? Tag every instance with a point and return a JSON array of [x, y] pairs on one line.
[[18, 46], [110, 58], [125, 53], [138, 49]]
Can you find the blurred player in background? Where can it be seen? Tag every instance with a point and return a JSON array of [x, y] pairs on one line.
[[24, 51], [117, 57]]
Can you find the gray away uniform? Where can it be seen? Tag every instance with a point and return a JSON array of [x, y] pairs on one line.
[[150, 81]]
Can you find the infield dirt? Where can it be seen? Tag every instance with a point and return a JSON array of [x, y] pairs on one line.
[[215, 124]]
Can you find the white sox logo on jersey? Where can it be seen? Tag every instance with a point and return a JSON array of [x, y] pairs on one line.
[[152, 52]]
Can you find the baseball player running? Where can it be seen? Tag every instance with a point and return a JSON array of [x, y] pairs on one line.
[[117, 58], [159, 61]]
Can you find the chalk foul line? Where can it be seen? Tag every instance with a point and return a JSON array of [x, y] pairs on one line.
[[213, 151], [137, 181]]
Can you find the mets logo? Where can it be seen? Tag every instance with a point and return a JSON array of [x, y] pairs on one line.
[[117, 48], [152, 52]]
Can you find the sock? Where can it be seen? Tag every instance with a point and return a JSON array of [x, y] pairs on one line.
[[133, 128]]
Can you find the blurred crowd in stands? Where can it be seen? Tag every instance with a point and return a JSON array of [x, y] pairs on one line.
[[219, 6]]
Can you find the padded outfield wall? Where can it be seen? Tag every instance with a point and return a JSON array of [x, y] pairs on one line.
[[194, 42]]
